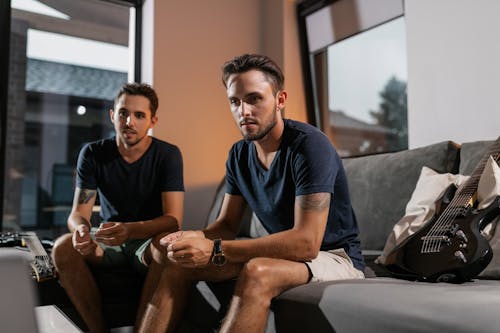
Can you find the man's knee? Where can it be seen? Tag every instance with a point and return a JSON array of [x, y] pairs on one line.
[[63, 252], [158, 252], [256, 277]]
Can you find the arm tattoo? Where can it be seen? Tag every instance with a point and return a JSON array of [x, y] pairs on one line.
[[85, 196], [316, 201]]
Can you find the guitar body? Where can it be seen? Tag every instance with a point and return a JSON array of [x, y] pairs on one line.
[[456, 254], [42, 267]]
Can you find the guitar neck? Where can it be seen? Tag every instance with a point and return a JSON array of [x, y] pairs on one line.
[[42, 266], [34, 244], [464, 197]]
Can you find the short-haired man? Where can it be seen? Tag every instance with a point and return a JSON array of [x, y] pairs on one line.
[[139, 180], [294, 181]]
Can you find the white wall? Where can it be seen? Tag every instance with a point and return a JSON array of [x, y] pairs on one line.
[[453, 70]]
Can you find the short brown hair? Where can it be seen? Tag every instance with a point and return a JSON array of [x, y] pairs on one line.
[[258, 62], [141, 89]]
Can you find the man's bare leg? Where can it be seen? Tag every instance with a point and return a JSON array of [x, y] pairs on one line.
[[259, 282], [156, 263], [164, 311], [78, 281]]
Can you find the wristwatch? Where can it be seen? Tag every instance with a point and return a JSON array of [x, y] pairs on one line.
[[218, 258]]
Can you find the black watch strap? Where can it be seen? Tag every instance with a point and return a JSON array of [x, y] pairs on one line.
[[218, 246], [218, 257]]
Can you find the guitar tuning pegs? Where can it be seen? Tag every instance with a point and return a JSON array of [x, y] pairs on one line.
[[461, 235], [460, 255]]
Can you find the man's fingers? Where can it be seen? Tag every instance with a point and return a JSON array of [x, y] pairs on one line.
[[171, 238], [105, 232], [82, 245], [178, 245], [110, 241], [170, 256], [103, 238], [85, 248]]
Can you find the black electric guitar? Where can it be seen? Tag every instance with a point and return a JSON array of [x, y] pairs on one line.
[[41, 264], [450, 247]]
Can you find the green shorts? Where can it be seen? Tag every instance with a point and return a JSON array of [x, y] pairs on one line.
[[130, 253]]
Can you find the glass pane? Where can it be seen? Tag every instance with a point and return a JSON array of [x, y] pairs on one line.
[[66, 63], [367, 104]]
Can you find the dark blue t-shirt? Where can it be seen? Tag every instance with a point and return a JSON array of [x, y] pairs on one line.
[[305, 163], [130, 192]]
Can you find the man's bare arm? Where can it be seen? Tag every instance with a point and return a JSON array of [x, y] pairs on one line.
[[81, 211], [300, 243], [227, 224], [170, 221]]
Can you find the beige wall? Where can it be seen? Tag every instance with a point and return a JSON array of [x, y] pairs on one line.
[[192, 38]]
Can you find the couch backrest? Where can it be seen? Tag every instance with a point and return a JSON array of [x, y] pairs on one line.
[[470, 155], [246, 223], [381, 185]]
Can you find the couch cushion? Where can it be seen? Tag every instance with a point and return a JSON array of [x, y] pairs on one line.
[[388, 305], [470, 155], [488, 191], [381, 185]]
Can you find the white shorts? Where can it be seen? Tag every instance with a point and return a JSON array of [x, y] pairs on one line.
[[333, 265]]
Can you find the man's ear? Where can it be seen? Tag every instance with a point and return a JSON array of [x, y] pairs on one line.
[[111, 114], [154, 120], [281, 98]]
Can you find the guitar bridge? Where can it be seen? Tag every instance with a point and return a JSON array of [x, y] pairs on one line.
[[443, 238]]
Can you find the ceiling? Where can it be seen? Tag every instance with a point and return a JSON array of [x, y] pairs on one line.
[[92, 19]]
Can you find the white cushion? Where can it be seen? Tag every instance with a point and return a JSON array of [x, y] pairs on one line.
[[421, 207], [488, 190]]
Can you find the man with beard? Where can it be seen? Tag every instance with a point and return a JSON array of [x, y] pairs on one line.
[[139, 180], [294, 181]]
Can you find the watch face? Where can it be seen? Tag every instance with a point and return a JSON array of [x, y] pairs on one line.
[[218, 259]]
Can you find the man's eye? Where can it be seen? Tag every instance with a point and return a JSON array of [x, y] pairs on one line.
[[123, 114], [253, 99], [234, 102], [140, 115]]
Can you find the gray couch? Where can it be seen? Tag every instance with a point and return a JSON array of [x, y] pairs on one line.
[[380, 187]]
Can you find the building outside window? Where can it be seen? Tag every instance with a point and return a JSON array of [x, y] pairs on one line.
[[354, 55]]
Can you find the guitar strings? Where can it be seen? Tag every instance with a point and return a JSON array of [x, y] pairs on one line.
[[463, 202], [36, 247], [458, 205]]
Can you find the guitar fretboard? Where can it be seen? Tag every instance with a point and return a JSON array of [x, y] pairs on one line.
[[462, 201], [42, 267]]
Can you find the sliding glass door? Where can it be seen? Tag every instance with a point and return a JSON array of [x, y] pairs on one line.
[[66, 61]]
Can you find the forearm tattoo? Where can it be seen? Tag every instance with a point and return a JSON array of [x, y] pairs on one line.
[[85, 196], [316, 201]]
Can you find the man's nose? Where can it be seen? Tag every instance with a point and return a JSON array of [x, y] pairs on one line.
[[244, 109], [129, 120]]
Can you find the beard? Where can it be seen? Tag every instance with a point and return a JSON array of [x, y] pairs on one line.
[[132, 142], [262, 133]]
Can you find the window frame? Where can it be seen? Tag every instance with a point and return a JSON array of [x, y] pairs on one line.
[[5, 31], [317, 58]]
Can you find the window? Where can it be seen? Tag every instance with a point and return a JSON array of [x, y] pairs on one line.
[[66, 62], [355, 63]]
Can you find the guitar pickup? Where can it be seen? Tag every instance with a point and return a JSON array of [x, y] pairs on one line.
[[445, 239]]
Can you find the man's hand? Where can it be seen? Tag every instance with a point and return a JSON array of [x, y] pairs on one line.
[[82, 242], [112, 233], [188, 248]]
